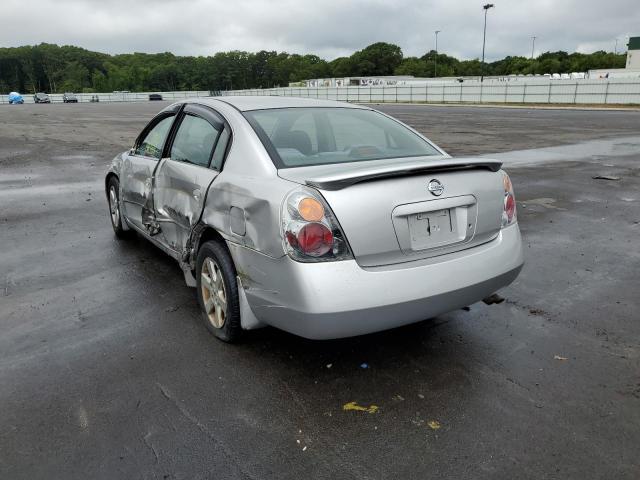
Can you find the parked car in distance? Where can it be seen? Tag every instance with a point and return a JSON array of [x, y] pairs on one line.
[[155, 96], [15, 98], [94, 99], [321, 218], [41, 98], [69, 98]]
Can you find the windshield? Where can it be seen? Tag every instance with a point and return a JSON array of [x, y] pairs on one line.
[[299, 137]]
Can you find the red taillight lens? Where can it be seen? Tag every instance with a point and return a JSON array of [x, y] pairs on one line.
[[315, 239], [509, 207], [509, 210]]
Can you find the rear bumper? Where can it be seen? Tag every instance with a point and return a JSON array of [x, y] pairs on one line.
[[342, 299]]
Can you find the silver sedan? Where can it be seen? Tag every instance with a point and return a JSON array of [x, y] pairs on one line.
[[320, 218]]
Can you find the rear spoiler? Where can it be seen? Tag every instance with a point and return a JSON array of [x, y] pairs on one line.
[[358, 174]]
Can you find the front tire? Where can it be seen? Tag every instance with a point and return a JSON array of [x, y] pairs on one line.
[[217, 289], [113, 197]]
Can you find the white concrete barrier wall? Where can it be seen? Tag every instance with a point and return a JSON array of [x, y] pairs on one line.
[[612, 91]]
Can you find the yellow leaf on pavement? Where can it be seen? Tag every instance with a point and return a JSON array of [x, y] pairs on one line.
[[359, 408], [434, 424]]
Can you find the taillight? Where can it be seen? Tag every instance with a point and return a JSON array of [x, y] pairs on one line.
[[310, 231], [509, 210]]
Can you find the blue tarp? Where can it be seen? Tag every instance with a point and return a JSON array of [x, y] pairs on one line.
[[15, 97]]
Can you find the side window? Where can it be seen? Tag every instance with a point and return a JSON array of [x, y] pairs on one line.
[[221, 148], [151, 145], [194, 141]]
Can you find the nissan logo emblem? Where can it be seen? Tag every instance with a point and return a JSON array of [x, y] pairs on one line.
[[436, 187]]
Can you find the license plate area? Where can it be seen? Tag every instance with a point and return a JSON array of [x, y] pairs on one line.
[[430, 229], [435, 224]]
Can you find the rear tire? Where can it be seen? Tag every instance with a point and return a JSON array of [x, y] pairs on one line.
[[113, 197], [217, 289]]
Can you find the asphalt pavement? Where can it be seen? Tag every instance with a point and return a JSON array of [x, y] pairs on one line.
[[107, 371]]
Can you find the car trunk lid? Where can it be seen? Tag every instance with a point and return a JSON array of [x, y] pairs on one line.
[[389, 215]]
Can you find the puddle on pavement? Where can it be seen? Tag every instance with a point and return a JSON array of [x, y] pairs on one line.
[[74, 157], [55, 189], [12, 181], [591, 150], [545, 202]]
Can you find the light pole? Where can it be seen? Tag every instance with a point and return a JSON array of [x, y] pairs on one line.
[[435, 64], [533, 45], [486, 8], [616, 49]]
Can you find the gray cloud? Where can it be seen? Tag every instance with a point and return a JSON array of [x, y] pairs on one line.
[[329, 28]]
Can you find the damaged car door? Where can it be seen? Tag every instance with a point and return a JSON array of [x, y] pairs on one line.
[[138, 166], [183, 178]]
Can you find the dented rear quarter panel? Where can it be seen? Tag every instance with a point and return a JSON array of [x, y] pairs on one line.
[[249, 182]]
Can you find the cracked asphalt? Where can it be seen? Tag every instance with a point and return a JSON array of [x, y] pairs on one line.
[[106, 370]]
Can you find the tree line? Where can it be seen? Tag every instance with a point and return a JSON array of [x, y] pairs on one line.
[[54, 69]]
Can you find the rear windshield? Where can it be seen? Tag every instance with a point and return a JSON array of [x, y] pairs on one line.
[[299, 137]]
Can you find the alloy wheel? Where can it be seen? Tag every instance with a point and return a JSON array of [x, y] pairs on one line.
[[214, 295], [114, 207]]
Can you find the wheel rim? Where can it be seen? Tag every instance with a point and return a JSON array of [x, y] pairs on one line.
[[214, 295], [114, 208]]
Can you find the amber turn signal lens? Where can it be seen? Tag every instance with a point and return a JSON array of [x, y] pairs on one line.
[[506, 182], [311, 209]]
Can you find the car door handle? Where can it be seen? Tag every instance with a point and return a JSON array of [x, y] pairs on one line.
[[197, 193]]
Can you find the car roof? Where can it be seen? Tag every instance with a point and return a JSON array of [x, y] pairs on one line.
[[261, 102]]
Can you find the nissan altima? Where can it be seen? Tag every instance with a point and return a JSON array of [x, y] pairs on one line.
[[320, 218]]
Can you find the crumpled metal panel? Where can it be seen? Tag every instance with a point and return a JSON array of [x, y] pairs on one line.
[[249, 182], [178, 199]]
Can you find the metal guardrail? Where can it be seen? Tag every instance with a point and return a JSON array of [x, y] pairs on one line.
[[115, 96], [521, 92]]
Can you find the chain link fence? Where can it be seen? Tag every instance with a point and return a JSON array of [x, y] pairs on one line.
[[584, 92]]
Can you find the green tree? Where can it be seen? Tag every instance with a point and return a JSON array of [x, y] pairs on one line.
[[53, 68], [341, 67], [377, 59]]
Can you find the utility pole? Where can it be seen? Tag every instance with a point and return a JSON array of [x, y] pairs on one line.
[[533, 45], [486, 8], [435, 65], [616, 49]]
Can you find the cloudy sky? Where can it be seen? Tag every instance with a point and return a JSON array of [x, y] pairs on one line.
[[329, 28]]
